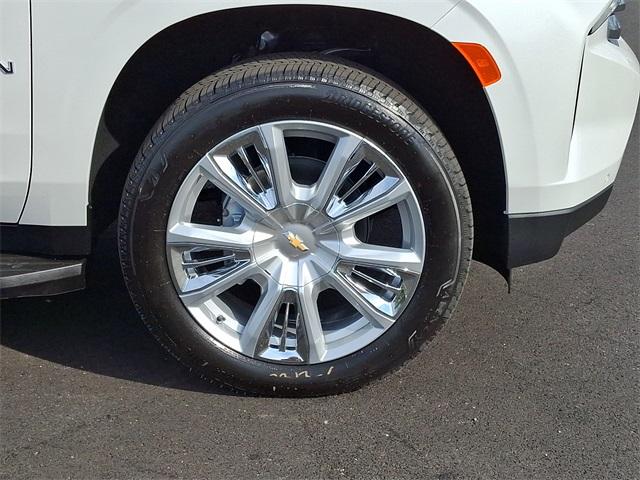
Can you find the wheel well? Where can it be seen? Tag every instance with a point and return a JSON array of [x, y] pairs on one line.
[[417, 59]]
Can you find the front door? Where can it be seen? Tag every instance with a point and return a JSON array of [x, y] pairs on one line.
[[15, 107]]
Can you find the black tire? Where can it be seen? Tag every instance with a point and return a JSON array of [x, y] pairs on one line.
[[261, 91]]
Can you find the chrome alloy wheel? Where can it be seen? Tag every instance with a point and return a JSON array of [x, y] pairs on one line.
[[292, 268]]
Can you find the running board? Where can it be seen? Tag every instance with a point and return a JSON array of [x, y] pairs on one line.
[[25, 276]]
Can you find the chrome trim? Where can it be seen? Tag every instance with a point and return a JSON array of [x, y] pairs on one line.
[[613, 7], [614, 29]]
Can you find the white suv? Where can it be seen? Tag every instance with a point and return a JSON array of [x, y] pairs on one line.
[[299, 188]]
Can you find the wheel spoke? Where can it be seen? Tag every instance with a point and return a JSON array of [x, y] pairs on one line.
[[242, 153], [400, 259], [280, 171], [377, 283], [339, 162], [214, 285], [235, 238], [357, 299], [257, 328], [388, 192], [312, 342], [207, 262], [219, 170]]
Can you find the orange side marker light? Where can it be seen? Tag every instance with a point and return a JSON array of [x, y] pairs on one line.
[[481, 61]]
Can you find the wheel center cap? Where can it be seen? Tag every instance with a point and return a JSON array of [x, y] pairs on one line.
[[299, 252], [296, 241]]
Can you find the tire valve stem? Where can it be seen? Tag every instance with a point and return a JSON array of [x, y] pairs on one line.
[[220, 319]]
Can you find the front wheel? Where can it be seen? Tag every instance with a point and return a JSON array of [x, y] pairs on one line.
[[295, 226]]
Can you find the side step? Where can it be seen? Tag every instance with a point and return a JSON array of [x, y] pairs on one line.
[[24, 276]]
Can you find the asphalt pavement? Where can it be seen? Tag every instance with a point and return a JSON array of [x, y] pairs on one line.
[[541, 383]]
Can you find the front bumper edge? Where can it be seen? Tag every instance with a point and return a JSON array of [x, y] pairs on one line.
[[534, 237]]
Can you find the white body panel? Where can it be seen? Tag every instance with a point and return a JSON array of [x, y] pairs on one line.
[[602, 125], [15, 108], [540, 53], [97, 39], [80, 47]]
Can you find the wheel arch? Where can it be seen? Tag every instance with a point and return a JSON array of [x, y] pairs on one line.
[[420, 61]]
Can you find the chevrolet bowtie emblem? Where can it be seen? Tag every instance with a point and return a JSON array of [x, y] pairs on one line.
[[296, 241]]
